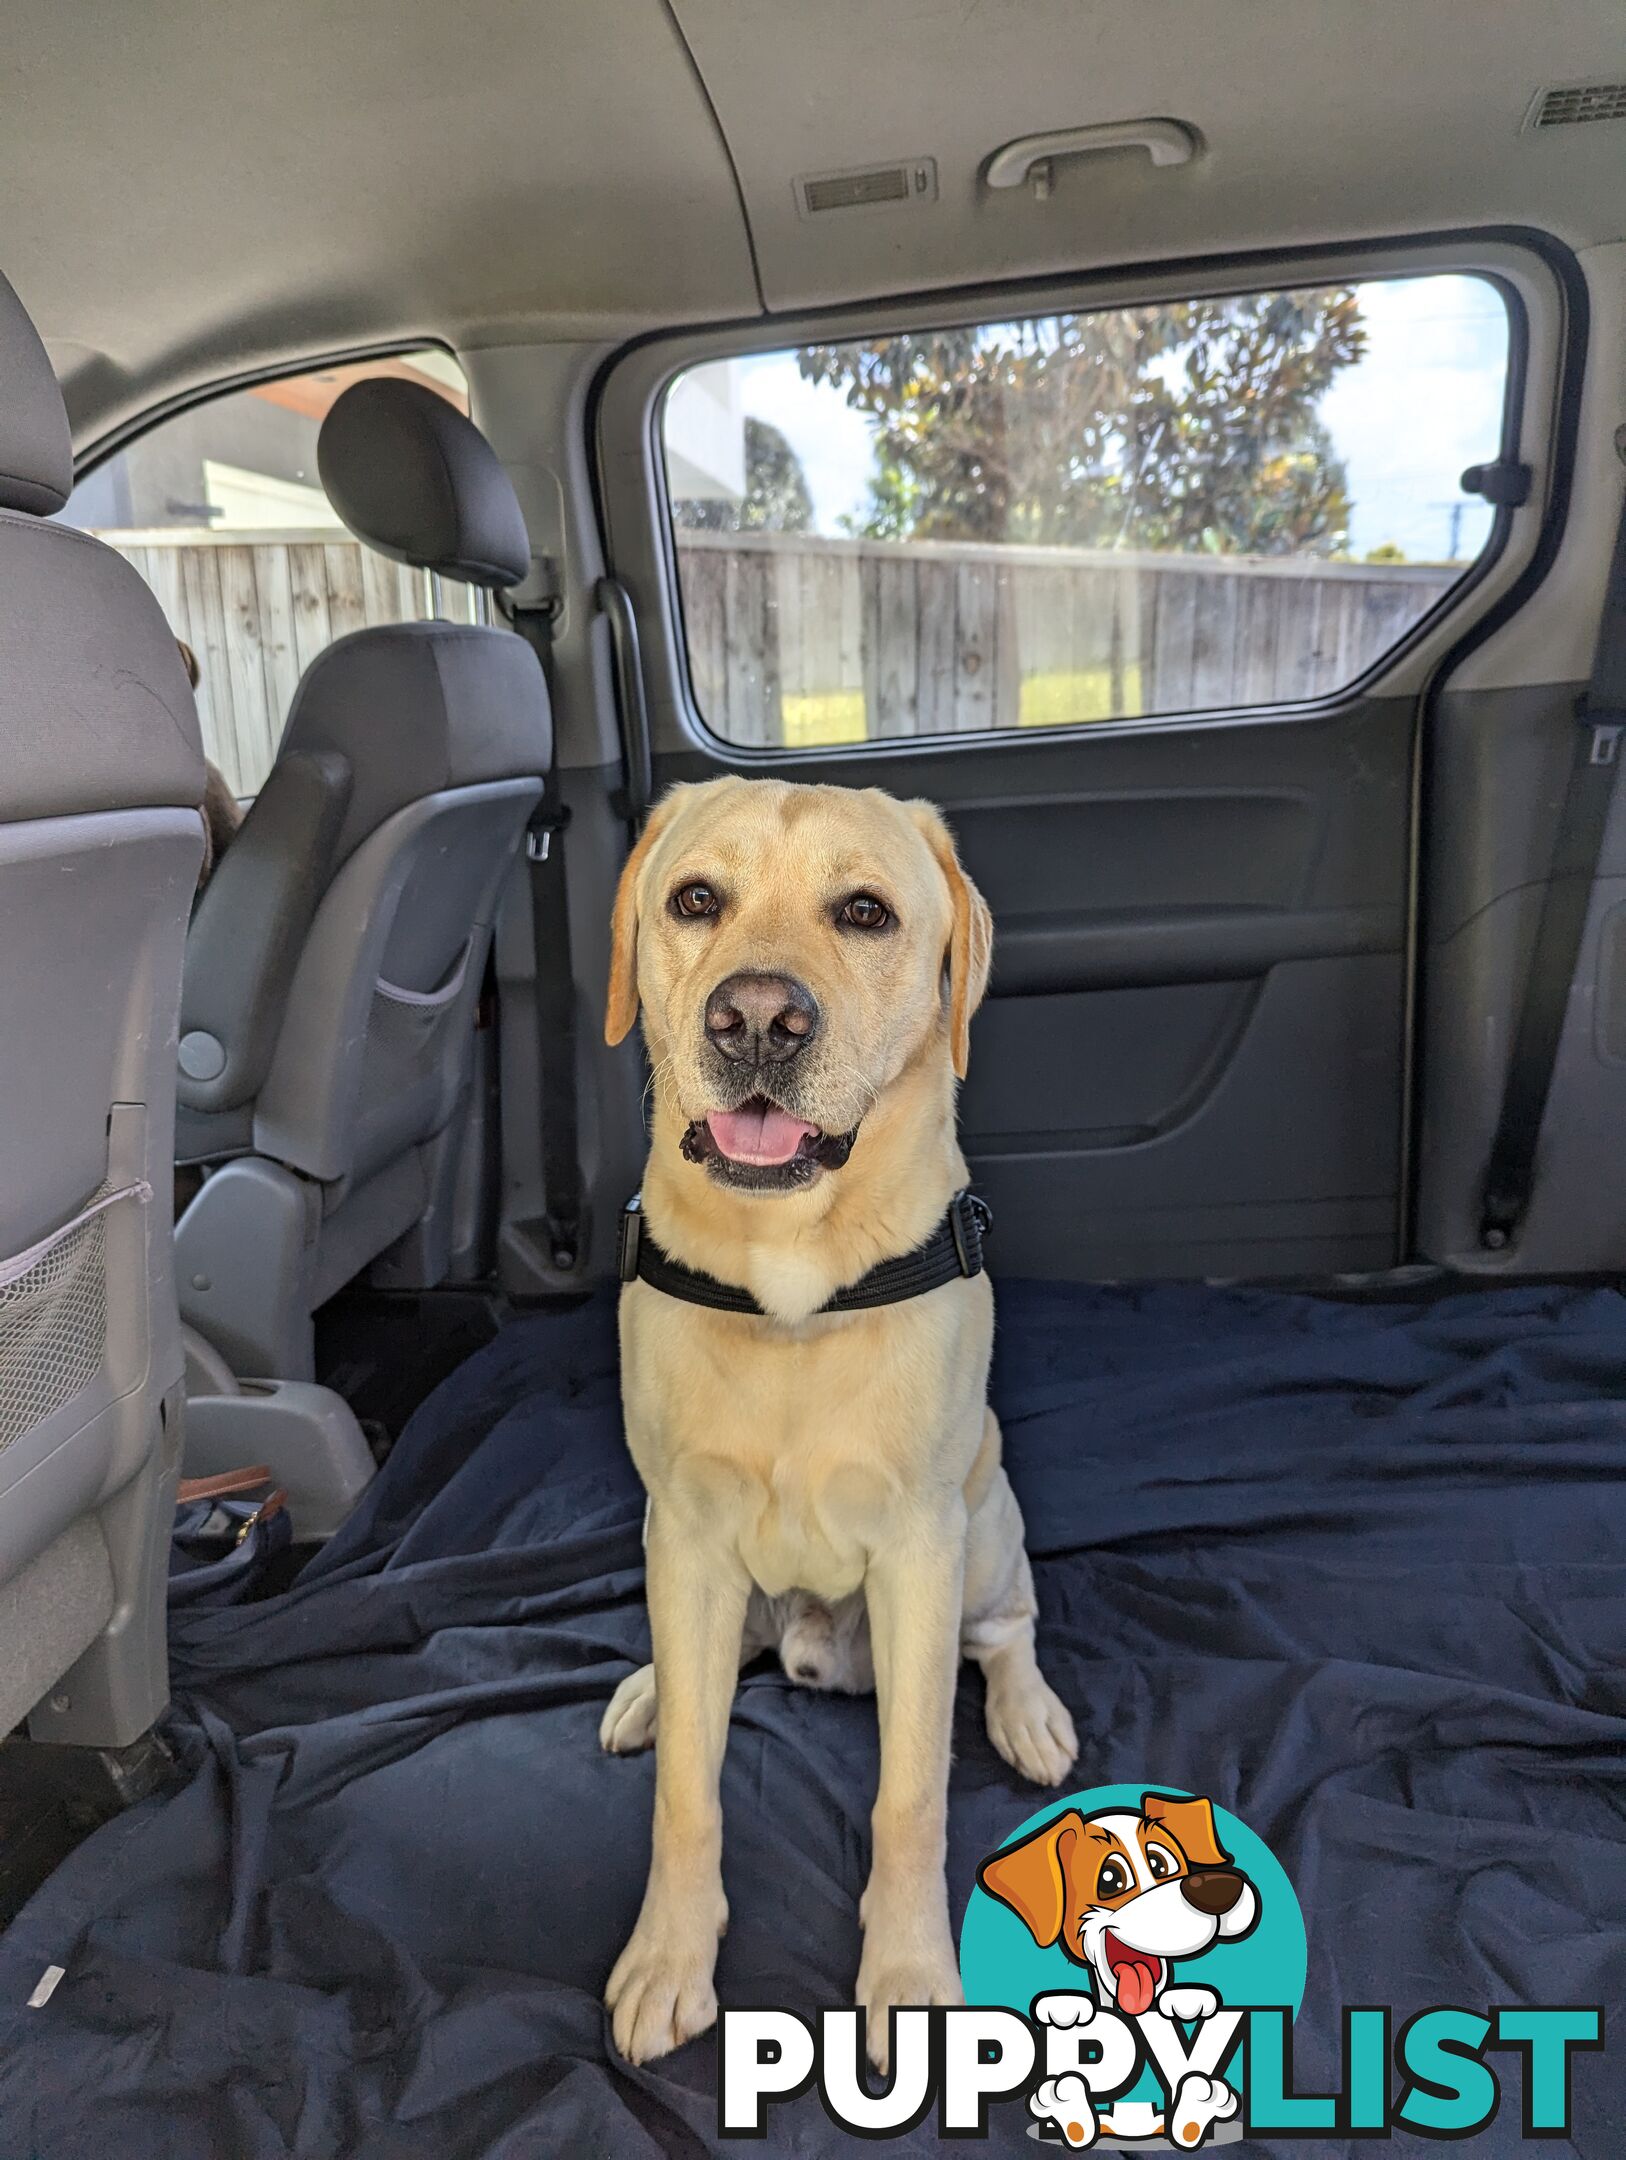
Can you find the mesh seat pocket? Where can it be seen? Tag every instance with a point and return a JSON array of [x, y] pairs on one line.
[[53, 1315]]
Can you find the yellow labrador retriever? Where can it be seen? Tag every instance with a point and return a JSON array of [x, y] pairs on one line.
[[808, 960]]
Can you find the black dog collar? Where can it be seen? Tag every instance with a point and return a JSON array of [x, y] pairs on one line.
[[952, 1253]]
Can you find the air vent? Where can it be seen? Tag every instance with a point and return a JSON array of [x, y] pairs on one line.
[[868, 187], [1576, 103]]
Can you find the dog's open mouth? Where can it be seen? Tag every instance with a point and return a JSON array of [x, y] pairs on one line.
[[759, 1133], [1137, 1973], [760, 1143]]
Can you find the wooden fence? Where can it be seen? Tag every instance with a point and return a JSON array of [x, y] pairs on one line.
[[258, 607], [798, 640], [793, 639]]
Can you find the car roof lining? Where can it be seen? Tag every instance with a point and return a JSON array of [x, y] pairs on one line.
[[332, 174]]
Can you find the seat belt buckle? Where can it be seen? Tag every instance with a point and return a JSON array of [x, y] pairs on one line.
[[1607, 725], [540, 831], [629, 1238], [1498, 1220]]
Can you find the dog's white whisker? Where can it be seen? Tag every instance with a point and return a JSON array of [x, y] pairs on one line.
[[659, 1075]]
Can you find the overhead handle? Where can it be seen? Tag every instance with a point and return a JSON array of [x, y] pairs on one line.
[[1167, 142]]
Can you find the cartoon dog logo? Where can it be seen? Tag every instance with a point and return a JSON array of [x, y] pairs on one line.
[[1126, 1895]]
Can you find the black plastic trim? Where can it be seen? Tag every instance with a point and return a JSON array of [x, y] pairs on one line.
[[1041, 955], [1566, 430]]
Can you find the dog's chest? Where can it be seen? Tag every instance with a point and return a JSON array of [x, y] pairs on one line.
[[804, 1454]]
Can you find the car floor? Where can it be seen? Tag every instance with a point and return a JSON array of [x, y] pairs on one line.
[[384, 1351], [1350, 1568]]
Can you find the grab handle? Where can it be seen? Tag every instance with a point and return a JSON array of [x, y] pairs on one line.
[[637, 768], [1168, 142]]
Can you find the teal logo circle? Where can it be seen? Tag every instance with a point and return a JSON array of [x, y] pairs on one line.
[[1004, 1961]]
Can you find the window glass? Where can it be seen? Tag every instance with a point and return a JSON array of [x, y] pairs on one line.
[[221, 510], [1190, 507]]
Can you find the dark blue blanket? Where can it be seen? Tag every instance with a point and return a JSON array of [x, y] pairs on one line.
[[1354, 1571]]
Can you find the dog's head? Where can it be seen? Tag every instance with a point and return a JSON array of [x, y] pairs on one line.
[[1125, 1894], [794, 951]]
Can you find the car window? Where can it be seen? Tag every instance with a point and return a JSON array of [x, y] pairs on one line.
[[221, 510], [1191, 507]]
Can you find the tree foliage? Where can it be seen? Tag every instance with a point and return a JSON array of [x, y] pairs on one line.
[[1190, 427], [775, 499]]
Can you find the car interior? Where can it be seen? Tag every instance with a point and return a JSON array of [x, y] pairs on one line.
[[1188, 446]]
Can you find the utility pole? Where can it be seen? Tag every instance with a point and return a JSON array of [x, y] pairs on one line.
[[1454, 510]]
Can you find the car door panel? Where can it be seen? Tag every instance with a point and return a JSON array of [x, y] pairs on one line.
[[1189, 1060]]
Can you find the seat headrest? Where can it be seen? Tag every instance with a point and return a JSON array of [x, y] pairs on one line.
[[36, 450], [416, 480]]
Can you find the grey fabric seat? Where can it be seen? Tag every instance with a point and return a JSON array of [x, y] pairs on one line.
[[101, 775], [336, 956]]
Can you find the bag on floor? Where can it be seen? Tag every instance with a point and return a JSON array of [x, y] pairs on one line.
[[225, 1538]]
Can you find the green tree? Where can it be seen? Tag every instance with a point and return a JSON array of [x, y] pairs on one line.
[[1190, 427], [775, 499]]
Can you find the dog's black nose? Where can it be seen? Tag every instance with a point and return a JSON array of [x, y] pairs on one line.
[[761, 1019], [1213, 1891]]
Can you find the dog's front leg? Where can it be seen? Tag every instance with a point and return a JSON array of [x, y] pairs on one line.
[[660, 1993], [913, 1590]]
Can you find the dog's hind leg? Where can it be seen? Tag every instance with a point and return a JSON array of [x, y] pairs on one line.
[[628, 1724], [1027, 1721]]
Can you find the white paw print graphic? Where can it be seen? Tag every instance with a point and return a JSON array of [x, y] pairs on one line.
[[1199, 2103], [1065, 2101]]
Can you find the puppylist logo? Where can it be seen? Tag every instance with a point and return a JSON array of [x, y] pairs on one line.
[[1133, 1962]]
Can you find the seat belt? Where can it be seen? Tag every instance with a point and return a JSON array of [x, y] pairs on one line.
[[1582, 822], [554, 988]]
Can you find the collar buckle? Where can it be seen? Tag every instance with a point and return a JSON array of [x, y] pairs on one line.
[[969, 1221], [629, 1238]]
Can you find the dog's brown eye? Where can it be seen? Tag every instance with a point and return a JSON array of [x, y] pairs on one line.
[[865, 912], [1161, 1863], [695, 900], [1113, 1879]]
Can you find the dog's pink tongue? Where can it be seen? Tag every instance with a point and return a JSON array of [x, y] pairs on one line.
[[1135, 1985], [761, 1133]]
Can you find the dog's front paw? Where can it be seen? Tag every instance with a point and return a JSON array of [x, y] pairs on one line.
[[1066, 2009], [1031, 1727], [629, 1723], [660, 1993], [1065, 2101], [1188, 2004], [1199, 2103], [893, 1978]]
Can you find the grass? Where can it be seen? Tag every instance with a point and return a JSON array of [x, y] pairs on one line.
[[1070, 697], [1067, 698], [823, 716]]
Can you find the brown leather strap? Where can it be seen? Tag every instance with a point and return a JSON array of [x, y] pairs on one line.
[[273, 1504], [223, 1486]]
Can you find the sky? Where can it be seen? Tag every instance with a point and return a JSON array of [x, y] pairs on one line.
[[1423, 402]]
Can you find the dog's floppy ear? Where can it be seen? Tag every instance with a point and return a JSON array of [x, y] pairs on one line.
[[1191, 1824], [621, 1003], [971, 939], [1031, 1877]]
